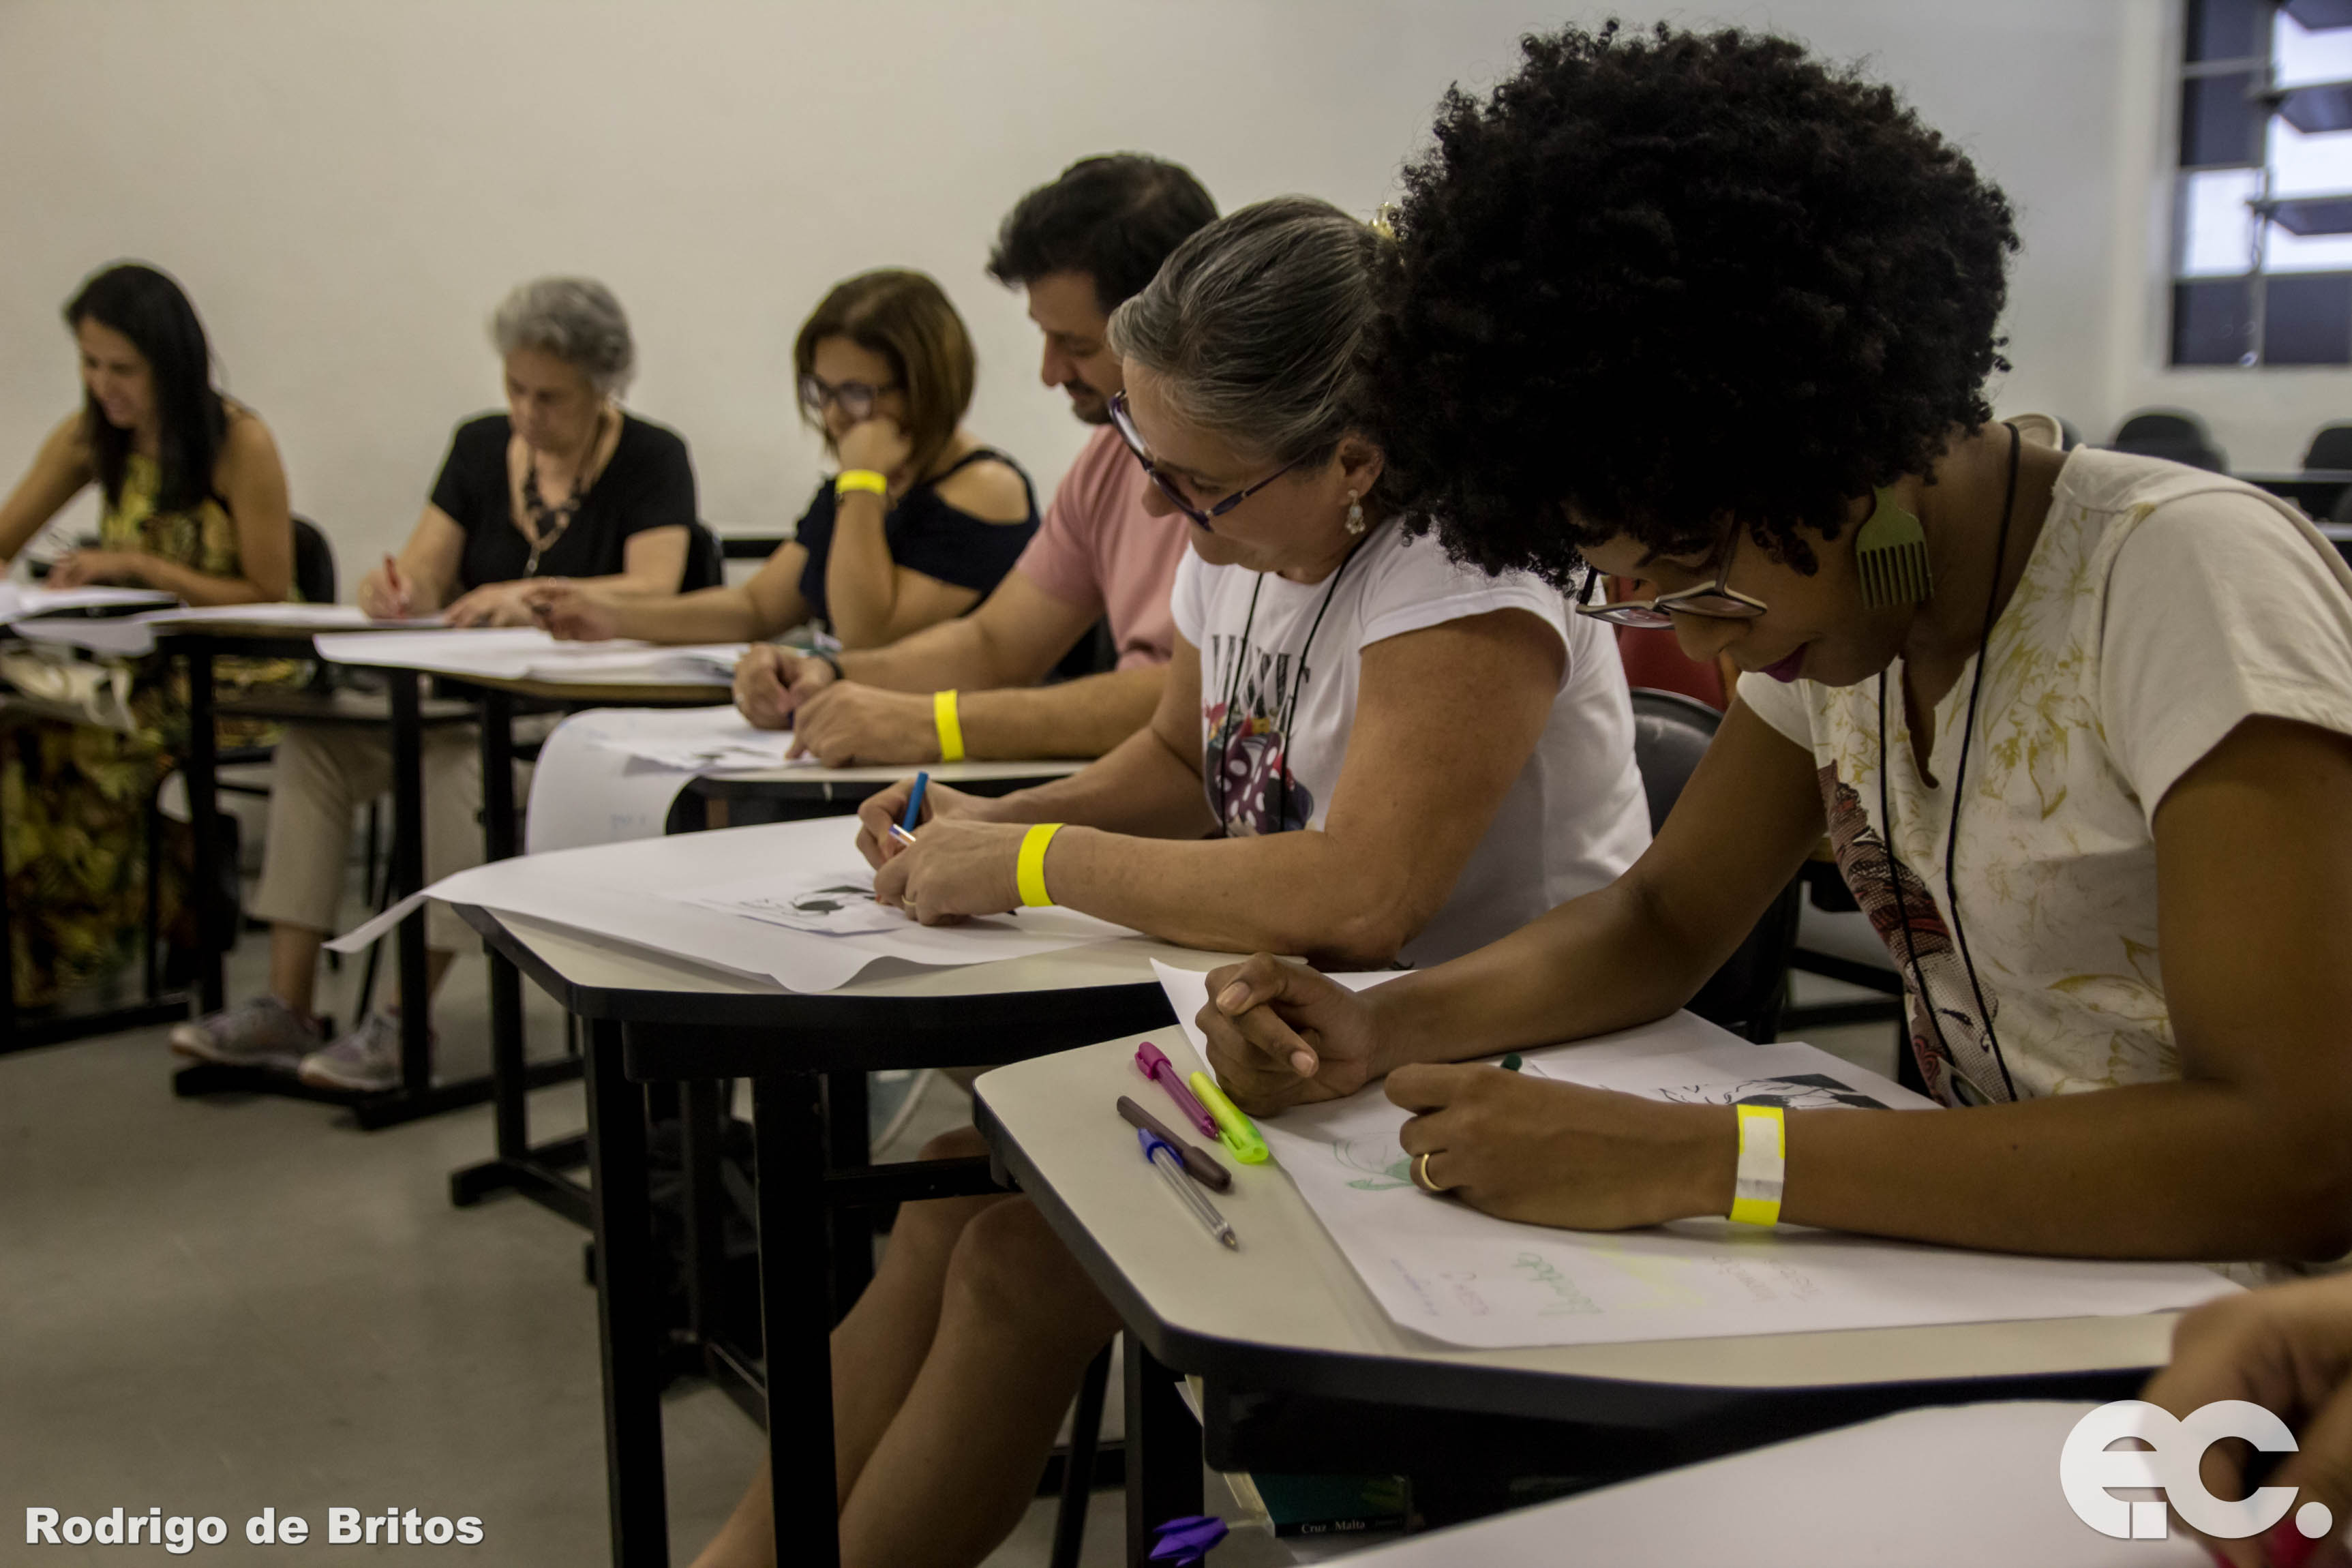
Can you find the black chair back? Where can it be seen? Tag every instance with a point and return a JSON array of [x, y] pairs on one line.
[[314, 564], [1670, 734], [2331, 447], [706, 559], [2172, 434]]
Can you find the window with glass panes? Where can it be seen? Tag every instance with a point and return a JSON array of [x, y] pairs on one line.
[[2263, 257]]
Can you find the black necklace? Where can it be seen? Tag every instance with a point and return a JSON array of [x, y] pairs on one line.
[[544, 524], [1289, 701], [1952, 833]]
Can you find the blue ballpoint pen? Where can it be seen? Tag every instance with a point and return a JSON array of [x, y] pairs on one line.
[[1163, 1158], [914, 803]]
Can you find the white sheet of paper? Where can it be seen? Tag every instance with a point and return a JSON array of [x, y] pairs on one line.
[[835, 902], [623, 891], [516, 653], [134, 636], [1860, 1497], [611, 775], [1445, 1270], [19, 600]]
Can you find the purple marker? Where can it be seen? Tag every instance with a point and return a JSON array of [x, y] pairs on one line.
[[1152, 1065]]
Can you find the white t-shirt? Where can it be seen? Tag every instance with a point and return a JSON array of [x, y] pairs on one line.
[[2162, 605], [1574, 819]]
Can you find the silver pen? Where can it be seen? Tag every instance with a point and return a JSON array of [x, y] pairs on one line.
[[1161, 1157]]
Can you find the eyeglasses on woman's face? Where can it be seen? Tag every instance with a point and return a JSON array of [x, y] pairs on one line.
[[855, 398], [1125, 424], [1715, 600]]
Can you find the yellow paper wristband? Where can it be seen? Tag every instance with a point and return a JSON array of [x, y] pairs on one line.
[[1029, 871], [949, 723], [866, 479], [1763, 1164]]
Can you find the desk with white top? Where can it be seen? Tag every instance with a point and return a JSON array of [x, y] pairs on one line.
[[1303, 1371], [651, 1018], [542, 1172]]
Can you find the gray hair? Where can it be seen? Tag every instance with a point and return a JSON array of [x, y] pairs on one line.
[[1257, 323], [578, 321]]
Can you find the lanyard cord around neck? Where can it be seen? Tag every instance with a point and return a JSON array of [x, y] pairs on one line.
[[1952, 834], [1290, 698]]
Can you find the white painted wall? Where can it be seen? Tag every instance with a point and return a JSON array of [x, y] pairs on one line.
[[347, 190]]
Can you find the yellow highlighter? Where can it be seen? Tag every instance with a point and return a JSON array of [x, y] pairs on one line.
[[1234, 1128]]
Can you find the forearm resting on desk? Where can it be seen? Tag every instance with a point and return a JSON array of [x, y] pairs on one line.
[[708, 615]]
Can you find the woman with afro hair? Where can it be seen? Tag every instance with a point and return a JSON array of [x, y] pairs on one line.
[[1705, 312]]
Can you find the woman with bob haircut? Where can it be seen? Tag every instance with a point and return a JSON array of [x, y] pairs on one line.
[[193, 502], [1364, 752], [565, 485], [917, 526], [1706, 312]]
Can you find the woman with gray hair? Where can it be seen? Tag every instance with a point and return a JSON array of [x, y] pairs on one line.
[[1364, 754], [564, 486]]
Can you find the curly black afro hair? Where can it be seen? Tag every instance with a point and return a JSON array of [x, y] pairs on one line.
[[1655, 283]]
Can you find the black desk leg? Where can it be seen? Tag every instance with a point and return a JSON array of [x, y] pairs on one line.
[[407, 877], [795, 1319], [848, 1147], [702, 1123], [511, 1114], [214, 936], [628, 1307], [1163, 1452]]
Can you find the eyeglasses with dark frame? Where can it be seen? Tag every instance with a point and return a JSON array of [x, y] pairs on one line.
[[1125, 424], [856, 397], [1715, 600]]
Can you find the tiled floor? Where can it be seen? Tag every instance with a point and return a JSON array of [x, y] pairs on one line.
[[219, 1306]]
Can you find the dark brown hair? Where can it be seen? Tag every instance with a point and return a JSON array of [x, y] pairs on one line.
[[904, 316]]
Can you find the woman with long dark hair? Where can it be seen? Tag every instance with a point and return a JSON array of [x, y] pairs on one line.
[[193, 502]]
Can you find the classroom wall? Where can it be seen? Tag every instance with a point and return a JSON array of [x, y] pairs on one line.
[[348, 190]]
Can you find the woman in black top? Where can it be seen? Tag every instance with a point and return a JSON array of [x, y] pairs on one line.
[[564, 482], [917, 527]]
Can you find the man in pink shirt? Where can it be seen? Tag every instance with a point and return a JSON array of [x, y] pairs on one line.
[[968, 687]]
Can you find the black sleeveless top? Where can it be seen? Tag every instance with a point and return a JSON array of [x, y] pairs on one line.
[[925, 534]]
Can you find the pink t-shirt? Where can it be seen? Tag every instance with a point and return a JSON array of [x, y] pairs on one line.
[[1099, 549]]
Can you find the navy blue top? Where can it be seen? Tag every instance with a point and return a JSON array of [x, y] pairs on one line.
[[925, 534]]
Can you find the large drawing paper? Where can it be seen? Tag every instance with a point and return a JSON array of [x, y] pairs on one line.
[[611, 775], [19, 600], [516, 653], [621, 892], [134, 636], [1442, 1267]]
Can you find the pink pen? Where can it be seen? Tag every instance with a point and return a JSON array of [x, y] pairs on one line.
[[1151, 1064]]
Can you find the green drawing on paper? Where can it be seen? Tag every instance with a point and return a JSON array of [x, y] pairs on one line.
[[1383, 1164]]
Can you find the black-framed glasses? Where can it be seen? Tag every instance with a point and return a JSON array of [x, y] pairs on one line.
[[1713, 600], [1125, 424], [855, 397]]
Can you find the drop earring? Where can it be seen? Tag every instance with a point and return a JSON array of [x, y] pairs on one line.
[[1355, 514]]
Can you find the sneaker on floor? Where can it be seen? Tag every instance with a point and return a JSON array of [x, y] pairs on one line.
[[262, 1032], [366, 1059]]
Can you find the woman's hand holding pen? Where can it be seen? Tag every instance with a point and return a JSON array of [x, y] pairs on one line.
[[958, 863], [384, 592], [1547, 1152]]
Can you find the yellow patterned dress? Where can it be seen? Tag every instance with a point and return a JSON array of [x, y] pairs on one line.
[[74, 797]]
